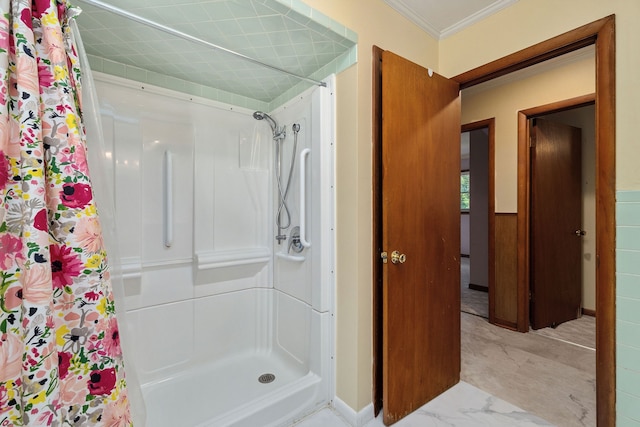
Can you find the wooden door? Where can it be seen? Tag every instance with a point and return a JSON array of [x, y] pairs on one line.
[[556, 222], [421, 220]]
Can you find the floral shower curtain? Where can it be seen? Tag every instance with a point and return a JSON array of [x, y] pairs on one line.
[[60, 355]]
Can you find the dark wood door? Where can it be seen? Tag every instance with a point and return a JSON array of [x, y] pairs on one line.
[[420, 219], [556, 223]]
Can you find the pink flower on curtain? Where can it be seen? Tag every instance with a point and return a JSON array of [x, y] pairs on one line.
[[9, 142], [89, 234], [45, 76], [13, 297], [10, 251], [65, 265], [116, 414], [73, 390], [36, 284], [76, 195], [4, 33], [54, 44], [102, 381], [27, 75], [11, 350], [112, 339]]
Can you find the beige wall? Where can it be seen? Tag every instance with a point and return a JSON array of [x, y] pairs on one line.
[[503, 102], [531, 21], [525, 23], [376, 24]]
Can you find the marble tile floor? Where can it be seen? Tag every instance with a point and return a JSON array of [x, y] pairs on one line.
[[549, 373], [545, 376], [462, 406], [581, 332]]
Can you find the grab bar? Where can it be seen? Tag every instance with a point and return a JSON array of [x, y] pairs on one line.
[[168, 199], [303, 197]]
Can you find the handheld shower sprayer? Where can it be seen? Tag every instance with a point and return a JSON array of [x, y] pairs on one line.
[[278, 133], [283, 215]]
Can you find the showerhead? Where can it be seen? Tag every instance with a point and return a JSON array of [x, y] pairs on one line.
[[259, 115]]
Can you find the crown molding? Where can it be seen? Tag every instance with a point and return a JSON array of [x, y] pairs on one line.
[[476, 17], [410, 13]]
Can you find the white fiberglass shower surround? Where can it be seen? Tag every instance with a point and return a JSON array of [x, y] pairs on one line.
[[230, 326]]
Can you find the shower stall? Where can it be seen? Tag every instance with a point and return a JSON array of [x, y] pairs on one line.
[[227, 263]]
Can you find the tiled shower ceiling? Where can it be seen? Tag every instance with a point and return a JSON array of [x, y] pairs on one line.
[[283, 33]]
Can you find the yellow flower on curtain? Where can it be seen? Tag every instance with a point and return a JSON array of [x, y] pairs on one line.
[[93, 261], [60, 356]]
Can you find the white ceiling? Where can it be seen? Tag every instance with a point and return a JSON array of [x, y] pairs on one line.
[[441, 18]]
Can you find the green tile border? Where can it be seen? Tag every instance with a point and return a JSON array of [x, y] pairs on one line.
[[317, 19], [628, 311], [628, 333], [628, 262], [622, 421], [628, 238], [628, 285], [628, 358], [628, 196], [628, 381], [628, 213], [628, 405]]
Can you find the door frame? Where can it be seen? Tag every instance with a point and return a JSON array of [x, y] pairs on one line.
[[524, 197], [600, 33], [490, 125]]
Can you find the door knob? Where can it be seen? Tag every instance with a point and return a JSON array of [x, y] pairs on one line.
[[397, 257], [580, 232]]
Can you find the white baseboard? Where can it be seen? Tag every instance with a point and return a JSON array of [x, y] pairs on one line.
[[355, 419]]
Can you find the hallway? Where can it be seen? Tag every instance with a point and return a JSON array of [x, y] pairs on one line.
[[548, 372]]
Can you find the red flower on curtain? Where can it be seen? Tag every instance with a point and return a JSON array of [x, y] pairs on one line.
[[102, 382], [65, 265], [76, 195], [60, 357], [5, 169]]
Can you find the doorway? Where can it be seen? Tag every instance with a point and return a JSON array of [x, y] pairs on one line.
[[477, 175], [562, 280], [602, 34]]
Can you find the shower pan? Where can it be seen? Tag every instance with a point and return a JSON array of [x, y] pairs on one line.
[[230, 325]]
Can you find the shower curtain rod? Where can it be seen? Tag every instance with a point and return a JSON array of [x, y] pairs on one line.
[[185, 36]]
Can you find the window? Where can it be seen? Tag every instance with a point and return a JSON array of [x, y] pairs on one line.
[[464, 191]]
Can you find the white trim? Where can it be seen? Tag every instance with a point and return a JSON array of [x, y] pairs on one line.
[[413, 16], [431, 27], [476, 17], [162, 91], [355, 419]]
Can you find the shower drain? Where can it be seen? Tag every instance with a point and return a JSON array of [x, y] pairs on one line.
[[266, 378]]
